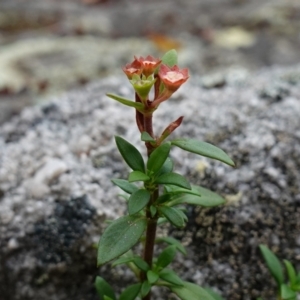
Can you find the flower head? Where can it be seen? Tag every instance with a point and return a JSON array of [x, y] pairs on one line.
[[133, 68], [172, 77], [149, 64]]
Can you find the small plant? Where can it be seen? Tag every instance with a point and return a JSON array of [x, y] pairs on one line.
[[287, 290], [155, 193]]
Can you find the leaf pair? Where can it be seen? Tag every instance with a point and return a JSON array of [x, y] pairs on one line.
[[135, 160], [286, 291]]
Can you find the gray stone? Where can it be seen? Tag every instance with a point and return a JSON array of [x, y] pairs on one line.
[[47, 238]]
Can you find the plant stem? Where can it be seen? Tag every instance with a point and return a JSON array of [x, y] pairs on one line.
[[149, 129], [150, 239], [151, 221]]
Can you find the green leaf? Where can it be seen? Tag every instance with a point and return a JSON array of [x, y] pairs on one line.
[[182, 213], [170, 58], [158, 157], [171, 277], [207, 198], [141, 264], [137, 105], [164, 198], [153, 210], [291, 272], [171, 241], [287, 293], [173, 216], [122, 260], [152, 276], [130, 154], [273, 264], [215, 295], [298, 278], [204, 149], [146, 287], [166, 256], [127, 259], [167, 167], [146, 137], [190, 291], [173, 189], [107, 298], [173, 178], [138, 200], [161, 221], [120, 236], [125, 185], [131, 292], [104, 289], [138, 176]]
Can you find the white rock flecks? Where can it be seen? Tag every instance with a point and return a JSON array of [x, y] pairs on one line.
[[38, 186]]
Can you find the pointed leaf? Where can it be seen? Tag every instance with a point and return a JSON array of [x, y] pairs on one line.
[[174, 179], [287, 293], [153, 211], [146, 137], [182, 213], [164, 198], [170, 58], [171, 241], [131, 292], [215, 295], [291, 272], [273, 264], [130, 154], [145, 289], [166, 256], [120, 236], [204, 149], [138, 176], [173, 216], [141, 264], [171, 277], [122, 260], [207, 198], [167, 167], [158, 157], [190, 291], [137, 201], [152, 276], [104, 289], [125, 185], [173, 189], [137, 105]]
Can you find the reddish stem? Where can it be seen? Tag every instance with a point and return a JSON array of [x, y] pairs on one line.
[[139, 117], [151, 220]]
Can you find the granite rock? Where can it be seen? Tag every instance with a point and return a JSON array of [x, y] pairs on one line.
[[57, 160]]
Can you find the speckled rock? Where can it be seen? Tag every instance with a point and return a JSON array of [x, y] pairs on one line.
[[47, 238]]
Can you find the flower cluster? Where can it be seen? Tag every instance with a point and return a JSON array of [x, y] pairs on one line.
[[165, 77], [143, 73]]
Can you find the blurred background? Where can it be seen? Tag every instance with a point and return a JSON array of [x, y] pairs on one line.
[[50, 46]]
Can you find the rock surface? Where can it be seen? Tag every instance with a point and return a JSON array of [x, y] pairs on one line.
[[57, 160], [51, 46]]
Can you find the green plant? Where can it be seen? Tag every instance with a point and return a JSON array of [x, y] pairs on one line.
[[155, 193], [286, 290]]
